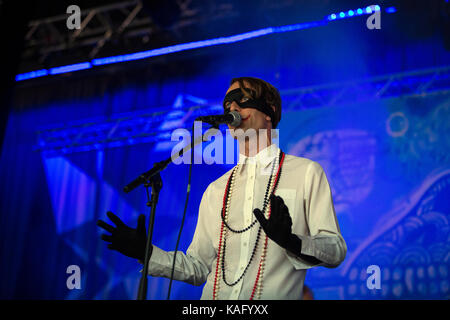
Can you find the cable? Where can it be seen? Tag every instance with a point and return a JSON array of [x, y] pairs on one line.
[[188, 191]]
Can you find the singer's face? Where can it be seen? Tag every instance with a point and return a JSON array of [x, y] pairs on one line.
[[251, 118]]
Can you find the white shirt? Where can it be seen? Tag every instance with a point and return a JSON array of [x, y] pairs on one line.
[[305, 190]]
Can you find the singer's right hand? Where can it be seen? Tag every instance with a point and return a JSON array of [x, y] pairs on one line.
[[128, 241]]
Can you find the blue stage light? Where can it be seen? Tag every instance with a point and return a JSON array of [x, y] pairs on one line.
[[351, 13], [299, 26], [71, 67], [31, 75], [189, 46], [359, 11], [342, 14], [391, 10], [368, 10]]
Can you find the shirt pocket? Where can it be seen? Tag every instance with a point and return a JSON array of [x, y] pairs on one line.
[[289, 197]]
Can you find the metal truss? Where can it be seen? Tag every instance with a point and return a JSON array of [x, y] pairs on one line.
[[157, 126], [414, 83], [124, 129], [98, 25]]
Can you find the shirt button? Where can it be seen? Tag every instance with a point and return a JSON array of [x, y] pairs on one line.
[[249, 198], [245, 244]]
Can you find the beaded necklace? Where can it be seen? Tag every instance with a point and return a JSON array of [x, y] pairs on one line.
[[257, 288]]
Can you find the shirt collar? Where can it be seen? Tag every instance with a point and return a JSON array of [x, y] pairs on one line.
[[263, 158]]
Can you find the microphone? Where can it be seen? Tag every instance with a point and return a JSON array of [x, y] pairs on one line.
[[233, 118]]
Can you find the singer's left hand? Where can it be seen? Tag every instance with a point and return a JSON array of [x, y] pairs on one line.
[[279, 225]]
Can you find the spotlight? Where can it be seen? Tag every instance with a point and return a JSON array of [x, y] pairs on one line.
[[391, 10]]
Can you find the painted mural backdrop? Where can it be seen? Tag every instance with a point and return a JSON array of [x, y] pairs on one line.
[[389, 170]]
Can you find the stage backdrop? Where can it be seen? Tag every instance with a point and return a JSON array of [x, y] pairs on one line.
[[387, 162]]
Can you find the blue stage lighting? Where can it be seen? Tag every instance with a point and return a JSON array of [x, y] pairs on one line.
[[299, 26], [31, 75], [391, 10], [188, 46], [342, 14], [351, 13], [359, 11], [71, 67]]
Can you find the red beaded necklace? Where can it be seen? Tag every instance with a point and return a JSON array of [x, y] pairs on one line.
[[257, 288]]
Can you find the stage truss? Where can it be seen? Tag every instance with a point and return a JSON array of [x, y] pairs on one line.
[[131, 24], [157, 125]]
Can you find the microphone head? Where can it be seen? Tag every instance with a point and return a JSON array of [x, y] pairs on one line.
[[237, 119]]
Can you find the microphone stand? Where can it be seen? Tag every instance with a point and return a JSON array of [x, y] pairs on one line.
[[160, 166], [156, 184], [152, 178]]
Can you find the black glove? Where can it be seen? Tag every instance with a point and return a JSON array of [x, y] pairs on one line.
[[128, 241], [279, 225]]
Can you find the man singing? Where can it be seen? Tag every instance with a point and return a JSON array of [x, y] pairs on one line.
[[261, 225]]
